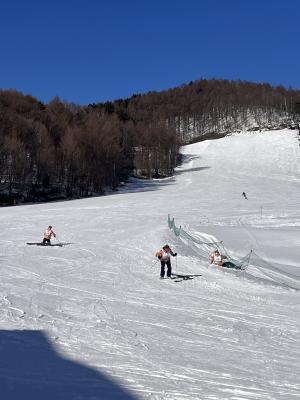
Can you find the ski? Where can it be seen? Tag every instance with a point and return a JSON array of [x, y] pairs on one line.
[[44, 245], [183, 277]]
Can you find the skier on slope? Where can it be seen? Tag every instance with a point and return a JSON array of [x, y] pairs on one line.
[[47, 235], [244, 195], [164, 255], [217, 258]]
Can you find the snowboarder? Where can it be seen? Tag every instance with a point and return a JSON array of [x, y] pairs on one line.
[[164, 256], [47, 235], [217, 258], [244, 195]]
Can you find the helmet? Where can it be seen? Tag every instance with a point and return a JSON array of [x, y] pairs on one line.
[[50, 226]]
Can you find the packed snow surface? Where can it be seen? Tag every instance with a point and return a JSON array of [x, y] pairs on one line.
[[92, 319]]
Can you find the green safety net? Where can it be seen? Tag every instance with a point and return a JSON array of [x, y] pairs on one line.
[[287, 275], [206, 244]]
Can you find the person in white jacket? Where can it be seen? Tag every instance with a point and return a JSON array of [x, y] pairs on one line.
[[47, 235]]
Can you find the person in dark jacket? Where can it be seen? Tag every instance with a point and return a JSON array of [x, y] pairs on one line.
[[164, 255]]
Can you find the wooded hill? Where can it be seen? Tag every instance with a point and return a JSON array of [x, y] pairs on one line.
[[208, 108], [62, 150]]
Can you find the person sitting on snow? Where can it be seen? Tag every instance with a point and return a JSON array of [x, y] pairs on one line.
[[217, 258], [164, 255], [48, 234]]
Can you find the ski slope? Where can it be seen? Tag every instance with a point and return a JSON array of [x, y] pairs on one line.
[[92, 319]]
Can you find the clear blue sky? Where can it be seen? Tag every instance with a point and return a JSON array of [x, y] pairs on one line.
[[98, 50]]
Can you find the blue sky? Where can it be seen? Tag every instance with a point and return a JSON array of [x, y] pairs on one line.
[[93, 50]]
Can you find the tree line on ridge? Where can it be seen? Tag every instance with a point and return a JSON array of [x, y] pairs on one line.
[[62, 150]]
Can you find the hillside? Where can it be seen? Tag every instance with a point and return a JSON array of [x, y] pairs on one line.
[[205, 109], [92, 319], [61, 150]]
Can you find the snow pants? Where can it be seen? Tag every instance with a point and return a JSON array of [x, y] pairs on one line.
[[162, 269], [229, 264]]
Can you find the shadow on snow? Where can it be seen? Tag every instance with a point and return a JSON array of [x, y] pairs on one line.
[[136, 185], [30, 368], [178, 172]]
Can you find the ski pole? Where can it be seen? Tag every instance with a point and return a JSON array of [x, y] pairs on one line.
[[58, 240], [154, 263]]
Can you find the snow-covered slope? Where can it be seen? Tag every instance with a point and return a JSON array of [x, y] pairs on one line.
[[92, 319]]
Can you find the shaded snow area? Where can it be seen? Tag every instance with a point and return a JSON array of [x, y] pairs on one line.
[[92, 319]]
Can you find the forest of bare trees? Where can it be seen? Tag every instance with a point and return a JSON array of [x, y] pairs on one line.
[[61, 150], [212, 108]]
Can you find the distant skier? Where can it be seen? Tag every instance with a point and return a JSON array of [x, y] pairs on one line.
[[244, 195], [47, 235], [164, 255], [217, 258]]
